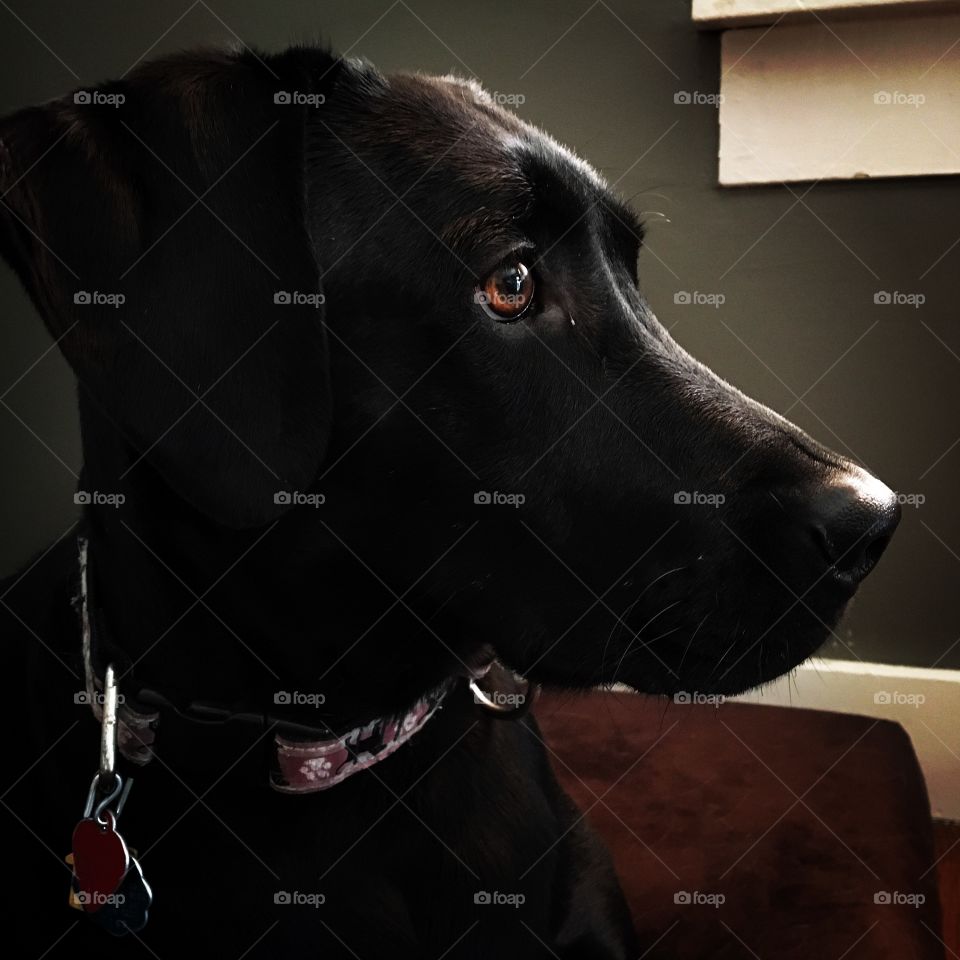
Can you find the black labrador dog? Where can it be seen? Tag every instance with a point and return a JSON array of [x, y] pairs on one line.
[[372, 410]]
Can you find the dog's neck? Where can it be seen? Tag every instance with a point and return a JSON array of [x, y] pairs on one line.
[[202, 623], [237, 615]]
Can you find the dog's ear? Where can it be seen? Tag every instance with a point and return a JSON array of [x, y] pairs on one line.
[[158, 224]]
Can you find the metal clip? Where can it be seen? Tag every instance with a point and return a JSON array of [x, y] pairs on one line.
[[108, 723], [118, 789]]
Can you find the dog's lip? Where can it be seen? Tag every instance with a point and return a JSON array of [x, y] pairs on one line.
[[683, 657], [850, 579]]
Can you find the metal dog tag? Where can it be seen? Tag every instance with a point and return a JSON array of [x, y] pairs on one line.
[[100, 862]]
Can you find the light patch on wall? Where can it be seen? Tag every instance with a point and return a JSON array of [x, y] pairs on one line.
[[840, 100], [740, 13]]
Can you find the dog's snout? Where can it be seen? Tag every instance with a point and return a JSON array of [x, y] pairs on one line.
[[853, 519]]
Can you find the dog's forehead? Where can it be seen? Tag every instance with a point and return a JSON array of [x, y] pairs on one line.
[[517, 136], [456, 123], [479, 178]]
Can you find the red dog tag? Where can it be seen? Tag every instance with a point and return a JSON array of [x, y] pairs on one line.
[[100, 861]]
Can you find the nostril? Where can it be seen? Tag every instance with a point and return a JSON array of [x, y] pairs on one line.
[[862, 557], [819, 536]]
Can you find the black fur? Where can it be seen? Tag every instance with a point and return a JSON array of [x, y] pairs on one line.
[[398, 399]]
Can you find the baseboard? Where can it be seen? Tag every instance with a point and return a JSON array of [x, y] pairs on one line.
[[925, 702]]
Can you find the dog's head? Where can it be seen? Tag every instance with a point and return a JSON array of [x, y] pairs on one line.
[[407, 327]]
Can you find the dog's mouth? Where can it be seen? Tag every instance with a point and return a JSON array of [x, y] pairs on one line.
[[726, 649], [718, 656], [731, 662], [750, 607]]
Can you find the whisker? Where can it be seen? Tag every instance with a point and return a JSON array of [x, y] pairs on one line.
[[733, 643], [622, 618], [646, 643], [686, 649]]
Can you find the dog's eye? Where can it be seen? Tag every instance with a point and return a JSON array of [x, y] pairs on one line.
[[508, 292]]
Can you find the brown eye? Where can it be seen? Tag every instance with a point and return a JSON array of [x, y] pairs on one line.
[[508, 292]]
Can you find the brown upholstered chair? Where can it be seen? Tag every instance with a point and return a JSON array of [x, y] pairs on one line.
[[745, 831]]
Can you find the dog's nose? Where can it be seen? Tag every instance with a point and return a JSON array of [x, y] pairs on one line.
[[854, 518]]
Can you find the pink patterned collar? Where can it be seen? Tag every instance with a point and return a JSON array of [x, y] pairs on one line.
[[314, 765], [301, 766]]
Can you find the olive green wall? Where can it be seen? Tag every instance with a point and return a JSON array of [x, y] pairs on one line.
[[798, 268]]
